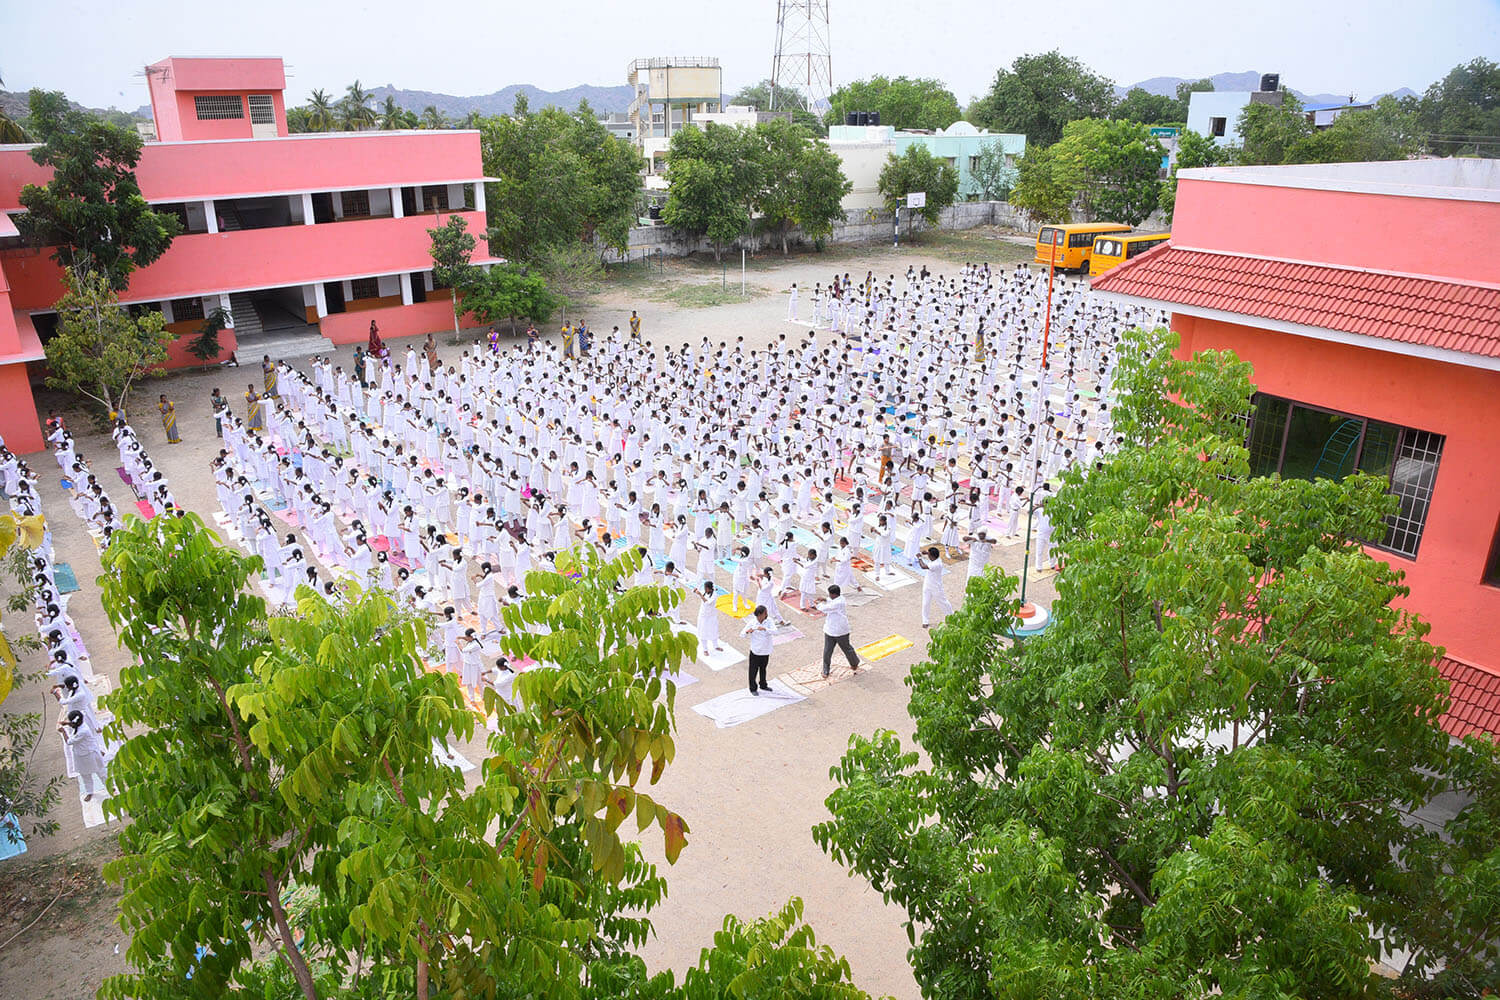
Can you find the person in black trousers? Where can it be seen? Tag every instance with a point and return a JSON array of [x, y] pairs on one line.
[[759, 631], [836, 629]]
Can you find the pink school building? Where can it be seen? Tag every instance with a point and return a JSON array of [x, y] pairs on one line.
[[312, 234], [1366, 297]]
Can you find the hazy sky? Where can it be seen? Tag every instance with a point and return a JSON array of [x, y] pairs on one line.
[[95, 50]]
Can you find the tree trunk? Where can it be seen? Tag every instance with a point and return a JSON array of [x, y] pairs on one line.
[[288, 940], [453, 294]]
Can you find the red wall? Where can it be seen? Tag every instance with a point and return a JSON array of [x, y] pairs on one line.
[[203, 263], [307, 162], [433, 316], [18, 420], [1445, 238], [1459, 402]]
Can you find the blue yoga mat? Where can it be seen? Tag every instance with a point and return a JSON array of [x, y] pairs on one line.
[[67, 580]]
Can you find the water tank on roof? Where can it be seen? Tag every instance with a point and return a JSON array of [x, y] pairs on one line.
[[874, 117], [864, 118], [1270, 82], [851, 118]]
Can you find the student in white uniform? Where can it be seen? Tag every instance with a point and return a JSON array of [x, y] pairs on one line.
[[708, 621], [933, 597]]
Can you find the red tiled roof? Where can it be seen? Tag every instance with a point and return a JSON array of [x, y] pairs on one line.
[[1476, 699], [1411, 310]]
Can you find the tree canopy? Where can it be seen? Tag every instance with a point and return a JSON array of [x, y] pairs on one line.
[[713, 177], [903, 103], [1108, 169], [507, 292], [452, 250], [1040, 94], [563, 179], [91, 212], [285, 799], [1461, 112], [918, 170], [1201, 779], [802, 182], [101, 348]]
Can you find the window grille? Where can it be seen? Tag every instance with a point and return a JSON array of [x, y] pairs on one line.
[[186, 309], [212, 107], [262, 112], [364, 288]]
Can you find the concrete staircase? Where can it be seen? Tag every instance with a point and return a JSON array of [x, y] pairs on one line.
[[246, 319], [229, 219]]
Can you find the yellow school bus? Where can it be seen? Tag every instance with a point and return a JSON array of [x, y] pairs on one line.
[[1069, 246], [1112, 251]]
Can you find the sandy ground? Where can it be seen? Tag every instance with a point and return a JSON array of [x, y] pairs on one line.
[[751, 794]]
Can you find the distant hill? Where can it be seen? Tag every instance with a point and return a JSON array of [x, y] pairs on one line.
[[1248, 80], [17, 105], [503, 101]]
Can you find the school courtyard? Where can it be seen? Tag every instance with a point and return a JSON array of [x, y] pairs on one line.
[[750, 793]]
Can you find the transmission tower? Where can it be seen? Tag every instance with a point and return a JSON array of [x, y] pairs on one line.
[[802, 71]]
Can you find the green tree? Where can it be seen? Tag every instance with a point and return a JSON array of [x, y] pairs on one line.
[[1193, 150], [91, 212], [507, 292], [1147, 108], [322, 114], [993, 176], [452, 250], [821, 187], [1187, 88], [391, 115], [205, 346], [1046, 185], [902, 102], [1199, 780], [713, 180], [1119, 165], [432, 118], [758, 96], [918, 170], [1386, 131], [283, 795], [299, 120], [801, 181], [102, 349], [1040, 94], [354, 111], [572, 272], [1268, 132], [563, 179], [1461, 112]]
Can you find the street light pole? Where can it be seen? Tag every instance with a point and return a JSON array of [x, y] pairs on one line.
[[1026, 557], [1047, 322]]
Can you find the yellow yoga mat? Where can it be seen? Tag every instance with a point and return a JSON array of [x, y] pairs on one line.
[[732, 606], [884, 647]]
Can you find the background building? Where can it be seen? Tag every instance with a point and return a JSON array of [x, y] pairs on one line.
[[863, 150], [1373, 324], [669, 92], [1216, 113], [293, 235]]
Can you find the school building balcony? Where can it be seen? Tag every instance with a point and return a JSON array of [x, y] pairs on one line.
[[210, 263]]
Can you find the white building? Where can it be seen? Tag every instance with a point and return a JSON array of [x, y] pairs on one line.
[[1216, 113], [863, 149]]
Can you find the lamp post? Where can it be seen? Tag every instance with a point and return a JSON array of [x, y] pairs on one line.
[[1047, 320], [1032, 618]]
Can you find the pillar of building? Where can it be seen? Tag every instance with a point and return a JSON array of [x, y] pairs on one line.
[[479, 196], [307, 210], [211, 216], [228, 310], [397, 209], [320, 298], [406, 299]]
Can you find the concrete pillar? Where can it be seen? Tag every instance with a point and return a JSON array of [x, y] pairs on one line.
[[210, 216], [228, 312], [338, 204], [307, 208], [479, 196], [166, 311], [397, 211], [321, 297], [406, 299]]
